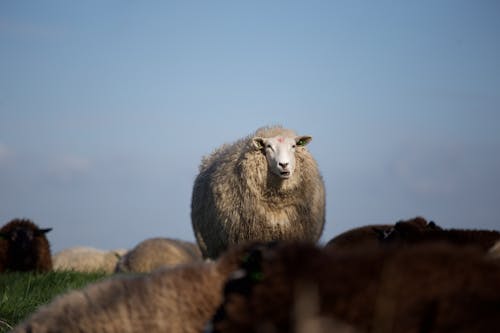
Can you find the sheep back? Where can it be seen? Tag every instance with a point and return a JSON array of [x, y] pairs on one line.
[[409, 234], [374, 234], [154, 253], [87, 259], [236, 199]]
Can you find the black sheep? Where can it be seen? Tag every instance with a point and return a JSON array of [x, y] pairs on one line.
[[24, 247]]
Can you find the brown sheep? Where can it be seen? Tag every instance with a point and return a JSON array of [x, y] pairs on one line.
[[371, 235], [179, 299], [423, 288], [24, 247]]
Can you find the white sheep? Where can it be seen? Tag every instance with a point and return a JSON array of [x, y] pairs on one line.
[[154, 253], [179, 299], [264, 187], [87, 259]]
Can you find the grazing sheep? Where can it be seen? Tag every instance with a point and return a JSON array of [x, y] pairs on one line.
[[24, 247], [87, 259], [435, 287], [179, 299], [157, 252], [264, 187], [407, 233], [371, 235]]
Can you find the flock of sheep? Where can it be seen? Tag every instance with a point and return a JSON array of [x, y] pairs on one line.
[[258, 211]]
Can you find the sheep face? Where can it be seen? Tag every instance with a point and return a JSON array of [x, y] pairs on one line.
[[280, 153], [21, 239]]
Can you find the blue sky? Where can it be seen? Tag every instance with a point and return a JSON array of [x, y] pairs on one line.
[[106, 108]]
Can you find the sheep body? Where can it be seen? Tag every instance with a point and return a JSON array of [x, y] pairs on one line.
[[179, 299], [24, 247], [238, 195], [87, 259], [154, 253], [435, 287]]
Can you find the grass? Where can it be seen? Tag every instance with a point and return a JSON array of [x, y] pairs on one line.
[[22, 293]]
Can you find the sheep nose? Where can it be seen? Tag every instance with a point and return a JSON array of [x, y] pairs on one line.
[[283, 165]]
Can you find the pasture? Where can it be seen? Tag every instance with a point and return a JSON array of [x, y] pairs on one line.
[[21, 293]]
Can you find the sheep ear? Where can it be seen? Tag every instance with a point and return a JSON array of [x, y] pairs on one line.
[[303, 140], [258, 143], [383, 234], [40, 232]]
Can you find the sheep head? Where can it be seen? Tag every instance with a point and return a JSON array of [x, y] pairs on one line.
[[21, 238], [280, 152]]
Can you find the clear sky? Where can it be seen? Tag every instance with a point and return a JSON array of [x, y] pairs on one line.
[[106, 108]]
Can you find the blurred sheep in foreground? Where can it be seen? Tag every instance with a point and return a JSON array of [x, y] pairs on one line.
[[435, 287], [179, 299]]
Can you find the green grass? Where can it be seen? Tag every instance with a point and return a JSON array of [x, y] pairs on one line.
[[22, 293]]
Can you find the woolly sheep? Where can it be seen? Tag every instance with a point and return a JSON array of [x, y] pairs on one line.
[[24, 247], [87, 259], [179, 299], [154, 253], [263, 187], [435, 287]]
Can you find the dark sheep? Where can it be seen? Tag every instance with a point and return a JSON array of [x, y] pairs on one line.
[[407, 233], [24, 247], [371, 235], [423, 288]]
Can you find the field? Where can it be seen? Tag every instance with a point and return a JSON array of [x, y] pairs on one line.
[[22, 293]]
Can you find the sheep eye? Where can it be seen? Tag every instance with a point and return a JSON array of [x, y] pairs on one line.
[[293, 146], [269, 146]]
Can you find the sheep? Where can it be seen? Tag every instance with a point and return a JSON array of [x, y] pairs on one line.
[[263, 187], [24, 247], [372, 235], [405, 233], [153, 253], [438, 287], [178, 299], [87, 259]]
